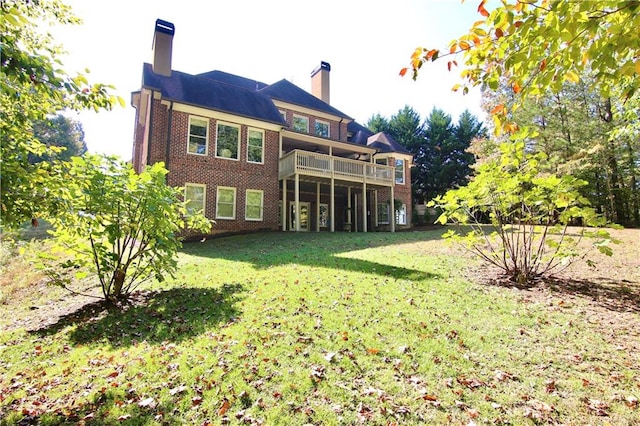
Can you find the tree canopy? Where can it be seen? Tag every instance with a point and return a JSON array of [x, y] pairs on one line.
[[63, 136], [541, 44], [33, 87], [438, 144]]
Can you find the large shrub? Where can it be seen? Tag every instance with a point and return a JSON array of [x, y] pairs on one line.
[[516, 217], [119, 224]]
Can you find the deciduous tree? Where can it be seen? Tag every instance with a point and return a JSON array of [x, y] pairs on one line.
[[33, 87], [539, 45], [63, 136]]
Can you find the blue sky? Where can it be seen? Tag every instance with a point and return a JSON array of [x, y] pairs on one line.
[[366, 43]]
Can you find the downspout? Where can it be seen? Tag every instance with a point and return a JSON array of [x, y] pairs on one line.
[[150, 129], [168, 149], [340, 129]]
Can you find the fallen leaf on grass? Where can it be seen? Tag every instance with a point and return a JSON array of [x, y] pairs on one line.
[[124, 417], [329, 356], [177, 390], [147, 403], [598, 407], [502, 376], [196, 400], [224, 407], [632, 402]]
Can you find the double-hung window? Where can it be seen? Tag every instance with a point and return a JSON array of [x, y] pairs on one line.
[[195, 195], [322, 129], [226, 203], [383, 213], [253, 205], [228, 141], [300, 123], [400, 171], [255, 146], [198, 136]]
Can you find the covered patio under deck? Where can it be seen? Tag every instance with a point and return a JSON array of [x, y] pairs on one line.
[[325, 192]]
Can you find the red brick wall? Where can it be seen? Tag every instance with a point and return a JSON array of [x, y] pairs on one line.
[[239, 174], [336, 129], [214, 172]]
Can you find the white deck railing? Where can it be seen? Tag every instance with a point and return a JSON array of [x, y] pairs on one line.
[[322, 165]]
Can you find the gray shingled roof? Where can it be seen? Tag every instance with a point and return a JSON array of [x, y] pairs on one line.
[[212, 94], [385, 143], [234, 80], [381, 141], [237, 95], [286, 91]]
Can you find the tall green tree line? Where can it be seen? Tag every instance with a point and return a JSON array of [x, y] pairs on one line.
[[440, 147]]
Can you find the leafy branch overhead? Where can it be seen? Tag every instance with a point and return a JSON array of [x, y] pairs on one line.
[[540, 45], [33, 87]]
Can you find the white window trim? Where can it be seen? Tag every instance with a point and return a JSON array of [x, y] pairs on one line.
[[206, 138], [204, 194], [235, 200], [219, 123], [396, 169], [246, 204], [404, 216], [262, 132], [283, 114], [299, 116], [328, 128]]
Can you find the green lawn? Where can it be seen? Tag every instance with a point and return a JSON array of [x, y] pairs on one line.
[[322, 329]]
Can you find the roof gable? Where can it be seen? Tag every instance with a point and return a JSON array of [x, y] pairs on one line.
[[385, 143], [286, 91]]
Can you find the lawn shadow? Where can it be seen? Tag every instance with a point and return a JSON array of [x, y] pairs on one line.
[[170, 315], [608, 293], [614, 295], [326, 250]]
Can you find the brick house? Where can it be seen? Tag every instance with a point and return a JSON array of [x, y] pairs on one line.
[[255, 156]]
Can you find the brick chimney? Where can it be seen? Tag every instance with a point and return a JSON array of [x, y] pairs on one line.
[[162, 47], [320, 81]]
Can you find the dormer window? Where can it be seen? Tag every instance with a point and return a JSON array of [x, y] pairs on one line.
[[322, 129], [300, 123]]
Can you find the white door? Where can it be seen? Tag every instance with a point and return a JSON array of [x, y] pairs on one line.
[[305, 209]]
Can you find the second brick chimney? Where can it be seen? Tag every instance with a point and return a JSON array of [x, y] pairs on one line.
[[163, 47], [320, 81]]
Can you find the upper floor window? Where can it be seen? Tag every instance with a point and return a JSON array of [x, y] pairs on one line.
[[227, 141], [322, 129], [400, 171], [253, 204], [194, 196], [255, 146], [300, 123], [198, 135], [226, 203], [381, 161]]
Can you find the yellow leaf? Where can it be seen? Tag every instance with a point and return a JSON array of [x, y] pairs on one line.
[[638, 66], [572, 77]]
